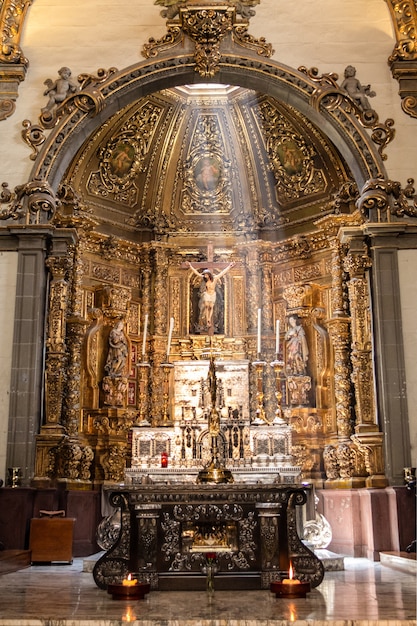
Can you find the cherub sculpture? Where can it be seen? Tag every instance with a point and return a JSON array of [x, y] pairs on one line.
[[60, 89], [357, 91]]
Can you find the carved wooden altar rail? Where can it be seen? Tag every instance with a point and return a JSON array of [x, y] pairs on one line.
[[167, 529]]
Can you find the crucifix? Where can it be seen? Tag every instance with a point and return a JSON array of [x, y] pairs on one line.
[[208, 295]]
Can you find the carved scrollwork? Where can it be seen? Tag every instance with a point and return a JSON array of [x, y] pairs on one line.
[[207, 28], [172, 38], [381, 198], [259, 45], [331, 96], [34, 202]]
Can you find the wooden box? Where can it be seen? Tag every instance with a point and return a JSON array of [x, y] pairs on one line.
[[51, 539]]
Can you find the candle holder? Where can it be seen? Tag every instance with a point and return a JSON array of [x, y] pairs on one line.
[[278, 366], [260, 411], [166, 369], [143, 375], [290, 588]]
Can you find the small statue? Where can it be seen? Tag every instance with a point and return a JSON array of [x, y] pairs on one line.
[[59, 90], [356, 91], [118, 352], [297, 348]]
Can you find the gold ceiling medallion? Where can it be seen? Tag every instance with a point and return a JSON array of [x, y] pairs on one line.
[[122, 158], [207, 187], [292, 160]]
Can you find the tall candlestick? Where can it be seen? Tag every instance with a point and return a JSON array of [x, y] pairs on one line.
[[259, 331], [277, 337], [145, 330], [171, 328]]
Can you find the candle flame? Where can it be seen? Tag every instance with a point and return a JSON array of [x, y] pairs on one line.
[[291, 572], [127, 582]]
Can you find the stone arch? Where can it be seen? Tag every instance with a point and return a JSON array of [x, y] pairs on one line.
[[307, 92]]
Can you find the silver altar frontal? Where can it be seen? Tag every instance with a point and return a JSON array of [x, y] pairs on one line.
[[166, 532], [255, 451]]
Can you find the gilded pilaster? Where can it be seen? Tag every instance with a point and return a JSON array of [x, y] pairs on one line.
[[361, 355], [254, 285], [56, 358]]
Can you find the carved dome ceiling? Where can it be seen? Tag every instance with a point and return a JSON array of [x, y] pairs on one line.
[[196, 161]]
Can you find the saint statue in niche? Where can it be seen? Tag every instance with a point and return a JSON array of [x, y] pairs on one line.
[[207, 173], [297, 348], [210, 300], [116, 362]]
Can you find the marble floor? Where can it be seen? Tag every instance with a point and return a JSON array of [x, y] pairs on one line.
[[363, 594]]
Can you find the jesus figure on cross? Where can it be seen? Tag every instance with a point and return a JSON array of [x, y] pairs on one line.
[[208, 297]]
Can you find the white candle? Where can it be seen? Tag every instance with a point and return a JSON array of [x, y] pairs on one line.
[[277, 337], [171, 328], [259, 331], [145, 330]]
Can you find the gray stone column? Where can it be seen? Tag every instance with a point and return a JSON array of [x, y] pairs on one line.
[[25, 414], [389, 349]]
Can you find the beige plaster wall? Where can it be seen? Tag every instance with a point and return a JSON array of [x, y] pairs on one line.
[[90, 34], [8, 271], [407, 263]]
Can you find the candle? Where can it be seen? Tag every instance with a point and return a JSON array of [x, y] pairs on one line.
[[171, 328], [145, 330], [291, 580], [129, 581], [259, 331], [277, 337]]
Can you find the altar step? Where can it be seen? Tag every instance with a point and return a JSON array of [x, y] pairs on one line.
[[197, 582], [403, 561], [14, 560]]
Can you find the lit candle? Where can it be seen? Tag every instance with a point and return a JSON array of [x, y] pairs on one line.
[[129, 581], [259, 331], [277, 337], [145, 330], [171, 328], [291, 580]]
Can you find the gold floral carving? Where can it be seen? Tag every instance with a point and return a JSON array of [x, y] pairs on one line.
[[297, 296], [361, 356], [13, 64], [56, 358], [403, 60], [340, 340], [207, 27], [382, 198]]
